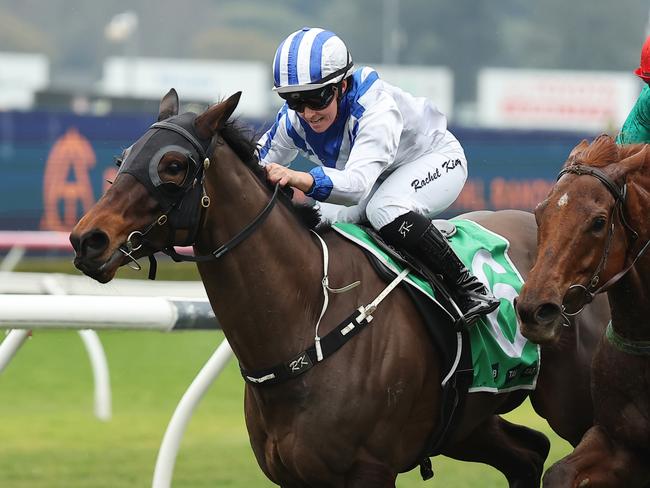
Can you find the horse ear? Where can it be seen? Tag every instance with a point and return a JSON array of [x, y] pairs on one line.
[[216, 116], [168, 105], [631, 164], [575, 151]]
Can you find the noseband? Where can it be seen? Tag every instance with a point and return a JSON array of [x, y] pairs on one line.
[[619, 193]]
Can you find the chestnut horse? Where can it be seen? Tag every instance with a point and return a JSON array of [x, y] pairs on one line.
[[593, 235], [365, 414]]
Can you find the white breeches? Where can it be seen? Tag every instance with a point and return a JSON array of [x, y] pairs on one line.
[[427, 185]]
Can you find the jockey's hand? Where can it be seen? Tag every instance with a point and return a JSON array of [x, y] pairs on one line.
[[276, 173]]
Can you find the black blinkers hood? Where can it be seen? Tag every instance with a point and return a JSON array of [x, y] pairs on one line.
[[180, 202], [173, 134]]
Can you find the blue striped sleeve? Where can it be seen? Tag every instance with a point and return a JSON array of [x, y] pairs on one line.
[[280, 144], [270, 134], [322, 186]]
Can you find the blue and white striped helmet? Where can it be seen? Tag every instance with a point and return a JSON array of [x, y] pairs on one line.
[[309, 59]]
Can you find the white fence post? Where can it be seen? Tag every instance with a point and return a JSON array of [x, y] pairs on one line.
[[26, 312], [162, 476], [101, 377], [12, 259], [97, 356], [8, 348]]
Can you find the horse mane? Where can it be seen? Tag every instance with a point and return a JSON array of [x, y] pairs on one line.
[[242, 140], [603, 151]]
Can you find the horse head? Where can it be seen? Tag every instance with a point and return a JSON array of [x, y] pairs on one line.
[[585, 228], [157, 198]]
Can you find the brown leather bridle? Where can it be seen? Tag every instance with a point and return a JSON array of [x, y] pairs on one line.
[[619, 193]]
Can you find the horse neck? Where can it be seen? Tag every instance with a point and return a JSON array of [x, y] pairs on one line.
[[630, 297], [266, 292]]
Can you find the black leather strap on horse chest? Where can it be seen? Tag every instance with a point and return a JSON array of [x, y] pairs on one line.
[[307, 359]]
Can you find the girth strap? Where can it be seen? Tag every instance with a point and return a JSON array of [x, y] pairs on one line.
[[304, 361]]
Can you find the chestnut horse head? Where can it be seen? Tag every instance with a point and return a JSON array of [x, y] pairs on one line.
[[587, 228], [593, 237]]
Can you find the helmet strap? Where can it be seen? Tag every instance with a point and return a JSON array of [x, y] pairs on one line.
[[339, 90], [339, 96]]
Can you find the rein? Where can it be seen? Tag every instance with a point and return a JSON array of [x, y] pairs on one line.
[[228, 246], [216, 254], [619, 193]]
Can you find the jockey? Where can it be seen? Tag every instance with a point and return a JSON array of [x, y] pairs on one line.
[[636, 128], [382, 155]]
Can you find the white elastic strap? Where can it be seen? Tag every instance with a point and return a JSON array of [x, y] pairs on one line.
[[459, 349], [365, 311], [261, 379], [372, 306], [326, 288]]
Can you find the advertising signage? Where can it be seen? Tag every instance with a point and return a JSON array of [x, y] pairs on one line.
[[56, 165]]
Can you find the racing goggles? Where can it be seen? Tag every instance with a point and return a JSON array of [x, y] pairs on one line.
[[314, 99]]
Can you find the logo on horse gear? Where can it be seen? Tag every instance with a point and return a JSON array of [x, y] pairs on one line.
[[529, 371], [299, 364], [419, 184], [405, 228], [451, 164], [512, 373], [495, 371]]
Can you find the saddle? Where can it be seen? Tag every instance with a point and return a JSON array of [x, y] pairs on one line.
[[438, 284]]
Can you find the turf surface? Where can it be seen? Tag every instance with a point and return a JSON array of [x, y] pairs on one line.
[[49, 437]]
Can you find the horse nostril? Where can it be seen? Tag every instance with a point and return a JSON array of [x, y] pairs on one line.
[[524, 311], [93, 243], [75, 241], [547, 313]]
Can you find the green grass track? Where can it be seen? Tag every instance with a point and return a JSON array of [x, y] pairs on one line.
[[49, 437]]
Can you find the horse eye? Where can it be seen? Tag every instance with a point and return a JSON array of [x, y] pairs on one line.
[[598, 224], [174, 168]]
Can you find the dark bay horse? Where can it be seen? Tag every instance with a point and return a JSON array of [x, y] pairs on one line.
[[593, 234], [364, 414]]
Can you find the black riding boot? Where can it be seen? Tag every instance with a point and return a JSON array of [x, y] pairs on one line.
[[418, 236]]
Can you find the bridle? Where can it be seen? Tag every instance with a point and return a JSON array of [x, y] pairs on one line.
[[137, 238], [619, 193]]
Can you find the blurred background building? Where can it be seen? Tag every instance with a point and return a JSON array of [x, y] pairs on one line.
[[520, 81]]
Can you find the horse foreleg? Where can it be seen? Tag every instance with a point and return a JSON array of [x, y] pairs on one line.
[[517, 451], [370, 475], [597, 462]]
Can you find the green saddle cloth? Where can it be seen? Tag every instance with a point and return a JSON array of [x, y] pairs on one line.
[[502, 358]]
